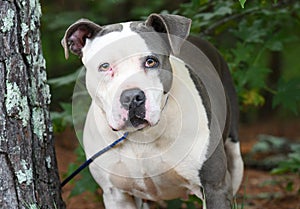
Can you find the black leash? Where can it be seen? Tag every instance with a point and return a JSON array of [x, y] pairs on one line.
[[86, 163]]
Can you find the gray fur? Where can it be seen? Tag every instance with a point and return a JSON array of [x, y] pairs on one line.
[[216, 180], [202, 93], [110, 28], [159, 45], [223, 71], [165, 35]]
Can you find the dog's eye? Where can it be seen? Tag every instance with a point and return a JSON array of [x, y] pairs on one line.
[[104, 67], [151, 62]]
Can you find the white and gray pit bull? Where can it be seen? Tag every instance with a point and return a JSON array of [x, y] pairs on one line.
[[150, 78]]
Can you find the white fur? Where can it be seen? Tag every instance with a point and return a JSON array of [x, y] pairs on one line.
[[178, 144], [123, 51], [237, 170]]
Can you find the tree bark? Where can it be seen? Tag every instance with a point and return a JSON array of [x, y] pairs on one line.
[[28, 168]]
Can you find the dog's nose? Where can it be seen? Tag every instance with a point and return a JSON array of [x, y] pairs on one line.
[[132, 98]]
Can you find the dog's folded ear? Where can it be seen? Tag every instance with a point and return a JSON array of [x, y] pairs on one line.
[[176, 27], [76, 35]]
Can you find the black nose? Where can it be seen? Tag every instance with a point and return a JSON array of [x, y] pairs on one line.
[[132, 98]]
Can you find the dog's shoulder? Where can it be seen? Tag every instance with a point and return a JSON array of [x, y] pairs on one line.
[[209, 50]]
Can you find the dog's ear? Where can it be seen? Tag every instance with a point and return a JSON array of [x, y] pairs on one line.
[[76, 35], [177, 28]]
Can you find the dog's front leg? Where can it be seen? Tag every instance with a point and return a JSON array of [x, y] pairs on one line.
[[216, 180], [218, 196], [115, 199]]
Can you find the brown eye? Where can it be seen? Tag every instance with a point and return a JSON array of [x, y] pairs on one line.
[[151, 62], [104, 67]]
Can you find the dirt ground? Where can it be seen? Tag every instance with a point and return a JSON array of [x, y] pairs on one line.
[[259, 190]]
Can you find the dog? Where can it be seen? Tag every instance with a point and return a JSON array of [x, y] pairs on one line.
[[174, 95]]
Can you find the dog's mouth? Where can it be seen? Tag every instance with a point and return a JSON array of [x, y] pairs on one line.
[[138, 123], [134, 114], [135, 120]]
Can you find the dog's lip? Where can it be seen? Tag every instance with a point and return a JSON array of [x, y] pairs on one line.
[[128, 124], [143, 125], [136, 121], [113, 129]]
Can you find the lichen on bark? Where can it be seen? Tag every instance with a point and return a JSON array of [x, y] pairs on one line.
[[28, 172]]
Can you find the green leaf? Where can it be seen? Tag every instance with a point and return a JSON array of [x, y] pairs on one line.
[[289, 186], [251, 32], [256, 76], [224, 10], [276, 41], [63, 118], [260, 146], [220, 10], [85, 182], [242, 53], [174, 204], [64, 80], [196, 3], [288, 95], [292, 164], [242, 2], [275, 46]]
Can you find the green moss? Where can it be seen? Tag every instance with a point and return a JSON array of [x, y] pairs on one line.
[[2, 139], [16, 105], [25, 174], [33, 91], [33, 206], [48, 161], [38, 122], [8, 20], [45, 90], [24, 31], [35, 8], [46, 93]]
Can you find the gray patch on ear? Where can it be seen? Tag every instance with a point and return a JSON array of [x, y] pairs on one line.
[[176, 27], [163, 34], [156, 42], [110, 28]]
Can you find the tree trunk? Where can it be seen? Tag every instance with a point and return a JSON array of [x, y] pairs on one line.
[[28, 168]]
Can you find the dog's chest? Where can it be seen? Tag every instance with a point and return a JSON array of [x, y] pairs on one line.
[[166, 185], [155, 170]]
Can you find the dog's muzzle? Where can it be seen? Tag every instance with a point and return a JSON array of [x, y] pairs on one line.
[[134, 100]]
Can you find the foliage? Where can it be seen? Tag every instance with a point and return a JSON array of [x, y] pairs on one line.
[[291, 164], [288, 94], [62, 119], [85, 181], [247, 38], [274, 153], [279, 154]]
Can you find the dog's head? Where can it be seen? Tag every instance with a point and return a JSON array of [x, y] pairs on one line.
[[128, 72]]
